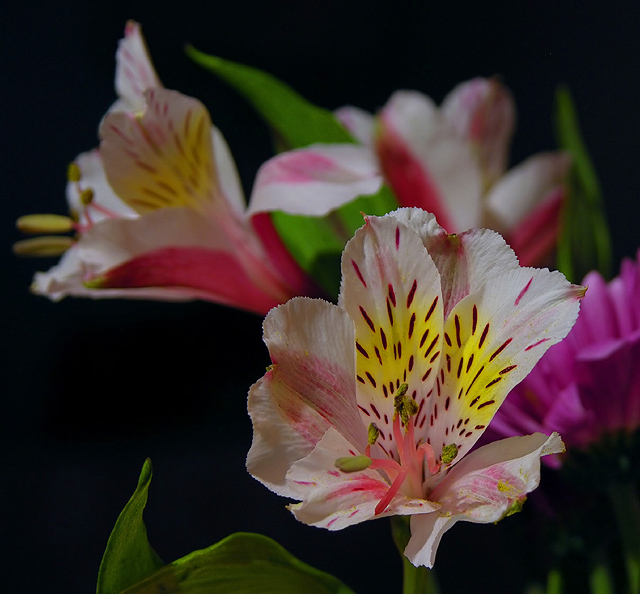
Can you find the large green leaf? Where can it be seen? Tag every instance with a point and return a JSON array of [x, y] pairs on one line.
[[128, 557], [315, 243], [240, 564], [585, 242], [295, 121]]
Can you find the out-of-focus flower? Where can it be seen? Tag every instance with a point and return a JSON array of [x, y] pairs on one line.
[[588, 386], [159, 210], [371, 407], [450, 161]]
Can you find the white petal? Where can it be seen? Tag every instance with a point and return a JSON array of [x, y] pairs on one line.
[[311, 387], [358, 122], [134, 70], [315, 180], [426, 532], [526, 186], [411, 120]]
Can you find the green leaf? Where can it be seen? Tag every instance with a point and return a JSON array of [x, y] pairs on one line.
[[295, 121], [242, 563], [585, 242], [128, 557]]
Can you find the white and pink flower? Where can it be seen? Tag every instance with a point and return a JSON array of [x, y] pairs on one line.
[[451, 161], [159, 208], [372, 406]]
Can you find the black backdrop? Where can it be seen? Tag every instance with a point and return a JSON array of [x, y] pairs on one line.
[[91, 388]]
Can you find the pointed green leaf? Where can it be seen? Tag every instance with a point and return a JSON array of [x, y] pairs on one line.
[[242, 563], [128, 557], [585, 242], [295, 121]]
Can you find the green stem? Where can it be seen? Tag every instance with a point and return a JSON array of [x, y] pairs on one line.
[[627, 511], [416, 580], [555, 583]]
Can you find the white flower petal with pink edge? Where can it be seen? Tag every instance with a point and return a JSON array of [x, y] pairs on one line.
[[426, 165], [482, 111], [358, 122], [315, 180], [310, 386], [482, 488], [525, 187], [134, 70]]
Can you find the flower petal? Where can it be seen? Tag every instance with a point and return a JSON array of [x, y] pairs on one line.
[[163, 158], [315, 180], [311, 385], [426, 163], [358, 122], [134, 70], [391, 289], [482, 488], [333, 499], [482, 112], [526, 186]]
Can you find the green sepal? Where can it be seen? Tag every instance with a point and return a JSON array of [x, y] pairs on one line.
[[585, 242], [128, 557], [242, 563], [316, 243]]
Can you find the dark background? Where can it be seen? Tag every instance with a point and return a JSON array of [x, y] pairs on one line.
[[92, 388]]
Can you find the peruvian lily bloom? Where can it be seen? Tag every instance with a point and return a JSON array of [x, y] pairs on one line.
[[159, 210], [371, 407], [451, 161], [587, 387]]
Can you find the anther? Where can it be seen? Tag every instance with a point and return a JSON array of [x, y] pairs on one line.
[[373, 433], [353, 463], [43, 247], [449, 453], [73, 172], [86, 196], [44, 223]]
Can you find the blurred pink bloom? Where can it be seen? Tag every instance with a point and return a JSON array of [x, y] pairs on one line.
[[371, 407], [587, 386], [451, 161], [160, 210]]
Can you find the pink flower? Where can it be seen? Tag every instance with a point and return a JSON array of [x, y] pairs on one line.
[[159, 207], [450, 161], [588, 386], [371, 407]]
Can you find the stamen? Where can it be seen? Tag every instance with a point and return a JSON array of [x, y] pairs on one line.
[[449, 453], [45, 223], [43, 247], [393, 489], [353, 463], [73, 172]]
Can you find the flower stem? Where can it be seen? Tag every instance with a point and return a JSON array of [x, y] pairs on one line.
[[416, 580], [627, 511], [600, 580], [555, 583]]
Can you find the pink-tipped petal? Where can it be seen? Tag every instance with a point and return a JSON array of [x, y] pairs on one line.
[[482, 111], [134, 70], [315, 180], [482, 488], [358, 122], [426, 164]]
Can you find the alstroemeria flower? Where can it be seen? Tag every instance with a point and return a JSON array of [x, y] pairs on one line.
[[371, 407], [588, 386], [160, 210], [450, 161]]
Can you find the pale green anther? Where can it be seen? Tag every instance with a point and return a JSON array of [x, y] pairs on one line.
[[353, 463], [449, 453], [514, 508], [373, 433], [43, 247], [73, 172]]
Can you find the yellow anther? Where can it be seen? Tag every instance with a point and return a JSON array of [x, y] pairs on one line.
[[514, 508], [44, 223], [449, 453], [73, 172], [373, 433], [398, 397], [86, 196], [353, 463], [43, 247], [410, 406], [95, 283]]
